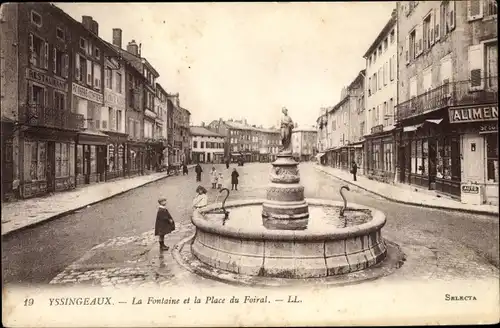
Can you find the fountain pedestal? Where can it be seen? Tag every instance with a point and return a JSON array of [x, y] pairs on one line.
[[285, 207]]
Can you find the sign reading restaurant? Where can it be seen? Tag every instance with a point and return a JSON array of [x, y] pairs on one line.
[[46, 80], [477, 113], [88, 94]]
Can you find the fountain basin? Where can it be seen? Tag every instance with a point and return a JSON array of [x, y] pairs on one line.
[[325, 248]]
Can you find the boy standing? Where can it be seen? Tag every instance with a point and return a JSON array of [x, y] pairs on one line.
[[164, 223]]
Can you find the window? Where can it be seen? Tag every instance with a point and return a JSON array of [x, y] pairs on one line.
[[386, 114], [491, 8], [110, 117], [202, 144], [36, 18], [385, 44], [392, 36], [108, 76], [39, 52], [89, 72], [394, 68], [62, 161], [38, 95], [60, 63], [97, 53], [385, 70], [60, 33], [374, 80], [118, 82], [137, 130], [413, 45], [491, 68], [388, 157], [118, 120], [492, 157], [97, 76], [59, 101], [83, 44], [390, 112], [195, 144], [80, 68], [35, 160], [447, 17], [428, 34], [380, 77]]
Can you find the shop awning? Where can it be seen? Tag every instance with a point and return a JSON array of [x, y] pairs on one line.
[[412, 127], [320, 155], [435, 121]]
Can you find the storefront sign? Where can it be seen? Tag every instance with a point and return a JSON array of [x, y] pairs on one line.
[[111, 99], [378, 128], [492, 127], [46, 80], [470, 189], [473, 114], [88, 94]]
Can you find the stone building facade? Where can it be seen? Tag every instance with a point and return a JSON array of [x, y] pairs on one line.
[[448, 92]]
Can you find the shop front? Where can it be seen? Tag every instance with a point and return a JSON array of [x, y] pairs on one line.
[[478, 128], [380, 155], [49, 164], [429, 155], [116, 161], [135, 158], [91, 153]]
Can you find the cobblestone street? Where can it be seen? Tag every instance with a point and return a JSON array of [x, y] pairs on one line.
[[112, 242]]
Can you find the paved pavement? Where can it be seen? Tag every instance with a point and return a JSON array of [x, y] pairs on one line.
[[25, 213], [112, 243], [408, 194]]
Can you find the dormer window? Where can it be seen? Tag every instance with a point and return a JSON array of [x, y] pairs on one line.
[[60, 33], [83, 44], [36, 18]]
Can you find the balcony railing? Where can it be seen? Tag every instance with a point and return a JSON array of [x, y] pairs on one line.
[[39, 115], [451, 94]]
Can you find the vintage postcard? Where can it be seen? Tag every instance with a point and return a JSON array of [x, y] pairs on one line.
[[249, 164]]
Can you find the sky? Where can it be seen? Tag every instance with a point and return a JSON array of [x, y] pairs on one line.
[[247, 60]]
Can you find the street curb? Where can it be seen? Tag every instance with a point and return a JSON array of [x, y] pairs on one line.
[[59, 215], [410, 203]]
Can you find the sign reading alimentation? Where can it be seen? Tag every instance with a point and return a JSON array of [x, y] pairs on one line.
[[473, 114]]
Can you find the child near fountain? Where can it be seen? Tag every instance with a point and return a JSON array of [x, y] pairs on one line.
[[164, 223], [220, 181]]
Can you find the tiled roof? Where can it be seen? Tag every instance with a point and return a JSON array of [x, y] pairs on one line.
[[201, 131]]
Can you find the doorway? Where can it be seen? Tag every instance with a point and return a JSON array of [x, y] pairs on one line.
[[51, 165], [432, 163]]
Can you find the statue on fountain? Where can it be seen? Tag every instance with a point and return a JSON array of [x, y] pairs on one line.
[[286, 131]]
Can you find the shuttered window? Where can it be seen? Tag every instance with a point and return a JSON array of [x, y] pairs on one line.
[[476, 71]]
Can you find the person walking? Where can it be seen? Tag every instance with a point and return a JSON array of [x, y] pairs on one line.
[[234, 179], [185, 169], [227, 163], [198, 171], [164, 223], [201, 199], [354, 170], [213, 177]]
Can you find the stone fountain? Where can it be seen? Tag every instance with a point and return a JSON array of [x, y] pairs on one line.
[[285, 235]]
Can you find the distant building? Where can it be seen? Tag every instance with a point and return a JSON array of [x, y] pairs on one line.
[[304, 143], [247, 142], [206, 146]]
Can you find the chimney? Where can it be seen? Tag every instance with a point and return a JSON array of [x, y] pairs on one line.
[[94, 27], [87, 22], [245, 120], [203, 124], [133, 48], [117, 37]]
